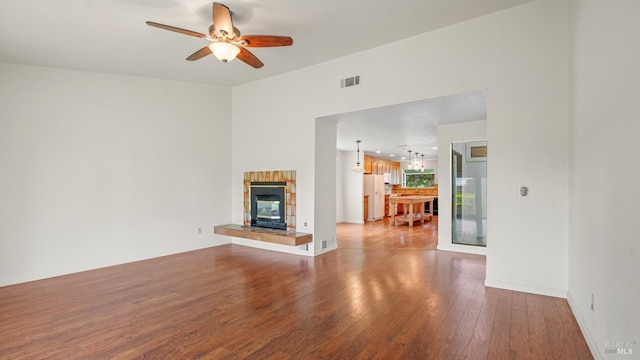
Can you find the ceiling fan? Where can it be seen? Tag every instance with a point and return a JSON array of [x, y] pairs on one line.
[[226, 41]]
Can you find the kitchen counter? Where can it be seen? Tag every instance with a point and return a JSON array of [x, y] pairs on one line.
[[429, 191]]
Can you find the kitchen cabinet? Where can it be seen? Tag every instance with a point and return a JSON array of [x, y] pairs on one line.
[[366, 207], [394, 169], [377, 166], [367, 164], [386, 206]]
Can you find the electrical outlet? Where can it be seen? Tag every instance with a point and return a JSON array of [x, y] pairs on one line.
[[200, 230], [593, 300], [324, 244]]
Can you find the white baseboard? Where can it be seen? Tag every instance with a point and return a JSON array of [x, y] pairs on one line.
[[585, 331], [477, 250], [361, 222], [273, 247], [295, 250], [328, 249], [526, 288]]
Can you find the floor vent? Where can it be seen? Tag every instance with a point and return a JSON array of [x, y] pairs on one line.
[[350, 81]]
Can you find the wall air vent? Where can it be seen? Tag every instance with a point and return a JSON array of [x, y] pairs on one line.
[[350, 81]]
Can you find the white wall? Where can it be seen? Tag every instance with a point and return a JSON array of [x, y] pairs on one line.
[[447, 134], [519, 55], [604, 256], [339, 186], [325, 188], [527, 133], [350, 190], [353, 189], [98, 170], [274, 135]]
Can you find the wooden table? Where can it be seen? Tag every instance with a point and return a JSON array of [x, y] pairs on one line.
[[412, 215]]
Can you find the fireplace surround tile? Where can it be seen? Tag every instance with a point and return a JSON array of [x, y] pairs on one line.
[[288, 176]]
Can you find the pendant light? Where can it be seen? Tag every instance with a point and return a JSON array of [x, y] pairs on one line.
[[409, 166], [358, 168], [422, 164], [415, 163]]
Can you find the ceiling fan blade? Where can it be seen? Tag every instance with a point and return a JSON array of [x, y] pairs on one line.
[[250, 59], [222, 18], [199, 54], [178, 30], [266, 40]]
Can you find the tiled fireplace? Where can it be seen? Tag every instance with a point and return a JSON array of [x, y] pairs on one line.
[[268, 209]]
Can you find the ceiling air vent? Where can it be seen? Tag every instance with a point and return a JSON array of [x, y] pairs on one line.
[[350, 81]]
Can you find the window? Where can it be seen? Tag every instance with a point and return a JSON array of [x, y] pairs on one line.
[[417, 178]]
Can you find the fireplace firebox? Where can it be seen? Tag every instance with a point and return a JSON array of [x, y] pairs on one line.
[[268, 205]]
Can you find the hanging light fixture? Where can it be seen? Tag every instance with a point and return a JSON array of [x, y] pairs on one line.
[[416, 163], [410, 166], [422, 164], [358, 168]]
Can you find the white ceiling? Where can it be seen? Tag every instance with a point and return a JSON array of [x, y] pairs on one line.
[[110, 36], [396, 129]]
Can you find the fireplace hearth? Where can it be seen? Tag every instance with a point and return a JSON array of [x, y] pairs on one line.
[[269, 210]]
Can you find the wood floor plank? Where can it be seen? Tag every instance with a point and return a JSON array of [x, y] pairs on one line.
[[538, 335], [477, 350], [501, 330], [484, 326], [386, 293], [519, 340]]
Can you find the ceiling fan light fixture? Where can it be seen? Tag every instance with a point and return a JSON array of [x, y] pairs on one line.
[[224, 51]]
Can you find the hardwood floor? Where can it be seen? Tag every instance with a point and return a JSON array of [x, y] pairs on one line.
[[383, 235], [371, 299]]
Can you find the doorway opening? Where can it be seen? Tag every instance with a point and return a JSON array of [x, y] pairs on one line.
[[406, 135]]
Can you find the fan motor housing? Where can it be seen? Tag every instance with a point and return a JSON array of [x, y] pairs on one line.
[[214, 34]]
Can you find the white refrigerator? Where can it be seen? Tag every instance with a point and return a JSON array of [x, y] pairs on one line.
[[374, 188]]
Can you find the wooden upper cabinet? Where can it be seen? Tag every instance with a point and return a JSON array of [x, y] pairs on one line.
[[373, 165], [367, 164], [396, 174]]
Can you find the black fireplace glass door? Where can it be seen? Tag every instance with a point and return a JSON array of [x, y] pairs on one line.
[[268, 207]]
